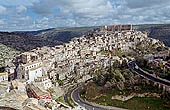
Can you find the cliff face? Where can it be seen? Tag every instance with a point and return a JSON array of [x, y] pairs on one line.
[[157, 31]]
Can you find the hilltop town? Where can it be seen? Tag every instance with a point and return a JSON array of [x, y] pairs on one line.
[[40, 77]]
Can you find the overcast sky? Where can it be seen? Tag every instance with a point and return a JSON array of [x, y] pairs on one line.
[[42, 14]]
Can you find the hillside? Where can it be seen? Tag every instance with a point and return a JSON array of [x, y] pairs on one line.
[[6, 54], [27, 40], [156, 31], [60, 34], [24, 42]]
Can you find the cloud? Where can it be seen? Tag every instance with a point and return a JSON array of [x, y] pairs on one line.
[[41, 14], [80, 8], [2, 22], [21, 9], [17, 2], [2, 9], [146, 3], [26, 18], [92, 8]]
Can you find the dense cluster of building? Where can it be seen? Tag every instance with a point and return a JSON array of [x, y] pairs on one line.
[[123, 27], [40, 69]]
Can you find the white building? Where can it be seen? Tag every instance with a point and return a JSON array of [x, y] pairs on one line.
[[30, 71], [44, 82]]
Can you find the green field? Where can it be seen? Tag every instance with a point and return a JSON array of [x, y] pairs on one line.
[[95, 94], [136, 103]]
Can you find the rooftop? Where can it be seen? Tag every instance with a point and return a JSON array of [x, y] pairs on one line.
[[32, 63], [29, 53]]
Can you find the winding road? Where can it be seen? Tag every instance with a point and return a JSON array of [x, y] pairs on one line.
[[89, 106], [145, 74]]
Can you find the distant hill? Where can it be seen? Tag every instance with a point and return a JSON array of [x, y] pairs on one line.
[[27, 40], [60, 34], [156, 31], [23, 42]]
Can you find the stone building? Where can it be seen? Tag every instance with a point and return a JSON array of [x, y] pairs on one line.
[[30, 71], [124, 27]]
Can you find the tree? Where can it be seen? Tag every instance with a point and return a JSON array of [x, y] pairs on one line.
[[124, 64], [116, 64], [2, 69], [119, 75], [142, 62]]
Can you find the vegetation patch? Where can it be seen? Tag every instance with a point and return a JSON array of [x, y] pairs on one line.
[[61, 99], [111, 85], [136, 103]]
